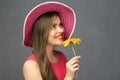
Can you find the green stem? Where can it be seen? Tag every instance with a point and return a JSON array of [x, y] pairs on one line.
[[76, 76], [73, 50], [74, 55]]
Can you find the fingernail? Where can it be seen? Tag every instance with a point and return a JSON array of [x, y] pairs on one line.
[[80, 56]]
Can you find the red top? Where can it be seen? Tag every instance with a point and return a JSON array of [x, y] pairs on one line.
[[59, 68]]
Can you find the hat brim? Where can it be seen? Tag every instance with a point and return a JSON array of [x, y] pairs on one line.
[[66, 14]]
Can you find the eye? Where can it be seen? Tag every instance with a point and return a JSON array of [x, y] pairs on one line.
[[61, 25], [54, 26]]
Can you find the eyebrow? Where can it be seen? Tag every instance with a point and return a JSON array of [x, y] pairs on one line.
[[56, 23]]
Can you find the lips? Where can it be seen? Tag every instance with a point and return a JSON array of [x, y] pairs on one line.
[[60, 37]]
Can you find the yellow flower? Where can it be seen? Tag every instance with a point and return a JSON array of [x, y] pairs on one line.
[[72, 40]]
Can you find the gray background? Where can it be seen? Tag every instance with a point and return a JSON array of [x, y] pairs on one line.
[[98, 24]]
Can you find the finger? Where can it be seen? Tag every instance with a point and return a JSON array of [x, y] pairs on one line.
[[73, 61], [76, 57], [75, 65], [76, 69]]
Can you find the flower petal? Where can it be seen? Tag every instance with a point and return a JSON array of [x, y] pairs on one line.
[[66, 43], [72, 40]]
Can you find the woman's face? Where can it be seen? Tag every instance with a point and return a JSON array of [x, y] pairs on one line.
[[56, 34]]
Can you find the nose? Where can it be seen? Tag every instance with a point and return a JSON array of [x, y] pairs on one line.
[[60, 29]]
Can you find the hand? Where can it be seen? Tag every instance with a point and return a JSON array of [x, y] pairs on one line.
[[72, 66]]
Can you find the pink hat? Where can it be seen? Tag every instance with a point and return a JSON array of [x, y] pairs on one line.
[[67, 15]]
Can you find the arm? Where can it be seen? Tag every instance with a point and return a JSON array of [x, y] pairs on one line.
[[31, 71], [72, 66]]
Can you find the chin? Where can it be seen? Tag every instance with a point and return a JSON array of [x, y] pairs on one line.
[[59, 44]]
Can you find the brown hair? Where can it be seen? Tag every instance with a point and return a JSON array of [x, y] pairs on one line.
[[41, 30]]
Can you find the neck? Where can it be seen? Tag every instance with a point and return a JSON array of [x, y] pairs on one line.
[[51, 53], [49, 49]]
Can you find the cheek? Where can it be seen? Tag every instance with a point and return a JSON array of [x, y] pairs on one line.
[[51, 34], [63, 29]]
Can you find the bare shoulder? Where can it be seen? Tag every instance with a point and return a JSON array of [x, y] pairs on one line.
[[31, 70], [30, 64]]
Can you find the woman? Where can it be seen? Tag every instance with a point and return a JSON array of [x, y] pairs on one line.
[[45, 27]]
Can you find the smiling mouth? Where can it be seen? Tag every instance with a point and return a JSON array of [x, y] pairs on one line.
[[60, 37]]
